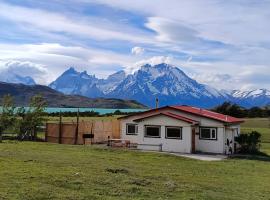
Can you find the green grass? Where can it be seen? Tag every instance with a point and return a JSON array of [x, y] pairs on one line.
[[50, 171], [262, 125], [257, 122]]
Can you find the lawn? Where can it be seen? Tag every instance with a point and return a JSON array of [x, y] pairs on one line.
[[50, 171], [262, 125]]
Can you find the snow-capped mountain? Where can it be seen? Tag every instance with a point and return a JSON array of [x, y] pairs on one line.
[[15, 78], [163, 81], [80, 83], [169, 84], [109, 84], [251, 98]]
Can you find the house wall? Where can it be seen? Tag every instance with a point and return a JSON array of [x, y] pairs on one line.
[[209, 146], [170, 145]]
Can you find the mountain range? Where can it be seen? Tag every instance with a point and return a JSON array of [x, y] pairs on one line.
[[163, 81], [22, 94]]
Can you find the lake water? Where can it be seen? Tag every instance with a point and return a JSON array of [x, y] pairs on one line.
[[99, 110]]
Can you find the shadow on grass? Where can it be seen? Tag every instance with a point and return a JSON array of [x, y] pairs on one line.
[[260, 156]]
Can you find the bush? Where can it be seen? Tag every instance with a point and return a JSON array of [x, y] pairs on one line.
[[249, 142]]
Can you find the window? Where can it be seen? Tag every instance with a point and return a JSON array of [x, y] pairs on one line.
[[174, 133], [132, 129], [208, 133], [152, 131]]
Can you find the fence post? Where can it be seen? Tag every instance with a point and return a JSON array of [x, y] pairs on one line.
[[77, 128], [60, 128]]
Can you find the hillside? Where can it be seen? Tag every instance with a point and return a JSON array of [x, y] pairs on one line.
[[23, 93]]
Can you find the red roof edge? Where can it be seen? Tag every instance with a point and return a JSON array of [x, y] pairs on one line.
[[208, 114], [193, 110], [168, 114]]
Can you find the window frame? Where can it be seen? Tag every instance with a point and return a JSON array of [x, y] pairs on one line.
[[136, 129], [174, 138], [156, 126], [211, 128]]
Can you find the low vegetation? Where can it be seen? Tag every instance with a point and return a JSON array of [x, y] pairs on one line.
[[235, 110], [249, 143], [23, 122]]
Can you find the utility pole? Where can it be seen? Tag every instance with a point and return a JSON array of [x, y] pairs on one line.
[[157, 103]]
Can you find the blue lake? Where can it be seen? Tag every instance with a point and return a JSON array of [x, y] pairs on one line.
[[99, 110]]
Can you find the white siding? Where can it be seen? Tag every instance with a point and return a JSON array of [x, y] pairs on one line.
[[171, 145], [174, 145], [211, 146]]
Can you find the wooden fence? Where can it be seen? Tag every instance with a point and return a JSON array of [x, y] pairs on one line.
[[73, 133]]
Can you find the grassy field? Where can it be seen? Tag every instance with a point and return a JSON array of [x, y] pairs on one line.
[[50, 171], [262, 125], [31, 170]]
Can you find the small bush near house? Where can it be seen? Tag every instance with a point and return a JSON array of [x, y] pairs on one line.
[[249, 142]]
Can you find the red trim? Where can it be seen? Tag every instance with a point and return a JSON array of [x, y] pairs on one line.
[[168, 114], [195, 111], [208, 114]]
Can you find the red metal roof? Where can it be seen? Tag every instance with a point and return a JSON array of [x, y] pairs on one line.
[[192, 110], [168, 114], [208, 114]]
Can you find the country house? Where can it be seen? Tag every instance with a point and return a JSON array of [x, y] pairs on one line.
[[183, 129]]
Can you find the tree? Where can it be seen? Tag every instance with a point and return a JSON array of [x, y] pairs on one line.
[[32, 117], [8, 115]]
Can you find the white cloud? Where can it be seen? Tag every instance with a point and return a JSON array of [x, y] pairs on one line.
[[172, 31], [56, 58], [132, 67], [14, 67], [218, 38], [56, 23], [137, 50]]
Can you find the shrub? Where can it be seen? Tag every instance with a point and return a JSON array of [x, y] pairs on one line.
[[249, 142]]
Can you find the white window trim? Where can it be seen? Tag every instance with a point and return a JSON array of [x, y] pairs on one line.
[[136, 129], [176, 127], [155, 126], [211, 138]]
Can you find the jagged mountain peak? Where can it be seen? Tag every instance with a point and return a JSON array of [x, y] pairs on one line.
[[71, 70], [165, 81], [74, 82]]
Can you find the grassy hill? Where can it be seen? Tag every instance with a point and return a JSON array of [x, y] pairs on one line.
[[23, 93]]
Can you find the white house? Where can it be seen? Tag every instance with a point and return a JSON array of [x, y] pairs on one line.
[[182, 129]]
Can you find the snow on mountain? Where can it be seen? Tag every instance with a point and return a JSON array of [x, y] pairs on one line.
[[15, 78], [109, 84], [166, 82], [169, 84], [80, 83], [258, 97]]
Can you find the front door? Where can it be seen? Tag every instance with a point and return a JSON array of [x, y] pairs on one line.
[[229, 141], [193, 141]]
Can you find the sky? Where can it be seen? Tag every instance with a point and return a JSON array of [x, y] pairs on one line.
[[225, 44]]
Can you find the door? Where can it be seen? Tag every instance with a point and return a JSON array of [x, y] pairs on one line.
[[229, 141], [193, 149]]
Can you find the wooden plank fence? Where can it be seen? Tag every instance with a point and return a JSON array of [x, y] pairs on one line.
[[65, 133]]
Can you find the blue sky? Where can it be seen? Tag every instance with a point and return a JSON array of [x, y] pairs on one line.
[[225, 44]]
